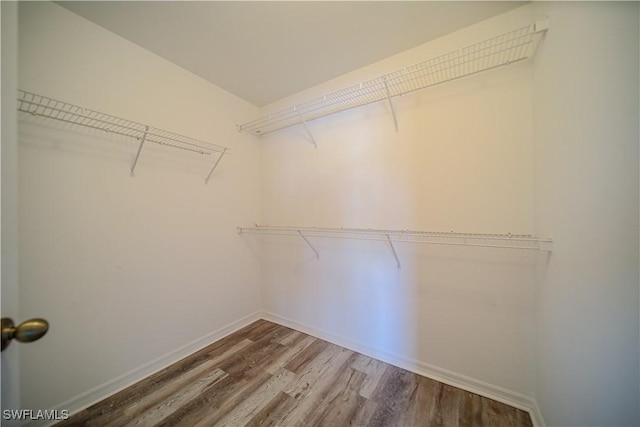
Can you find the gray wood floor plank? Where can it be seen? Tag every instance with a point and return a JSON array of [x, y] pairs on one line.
[[313, 384], [167, 389], [294, 348], [471, 405], [270, 375], [396, 386], [247, 409], [417, 410], [318, 374], [364, 413], [306, 356], [274, 412], [339, 405], [216, 401], [291, 338], [174, 402], [374, 370]]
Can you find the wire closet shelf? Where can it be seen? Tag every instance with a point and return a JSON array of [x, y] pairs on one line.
[[494, 52], [504, 241], [50, 108]]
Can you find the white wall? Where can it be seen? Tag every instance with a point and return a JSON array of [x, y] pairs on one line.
[[586, 167], [9, 228], [125, 269], [462, 161]]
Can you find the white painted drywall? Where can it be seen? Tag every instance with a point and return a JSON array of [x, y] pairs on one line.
[[462, 161], [10, 371], [125, 269], [586, 167]]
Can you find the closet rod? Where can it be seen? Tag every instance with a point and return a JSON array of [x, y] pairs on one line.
[[503, 241], [51, 108]]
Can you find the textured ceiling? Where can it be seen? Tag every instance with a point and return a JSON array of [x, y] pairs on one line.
[[264, 51]]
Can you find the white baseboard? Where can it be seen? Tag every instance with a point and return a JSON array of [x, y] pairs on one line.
[[536, 416], [454, 379], [98, 393]]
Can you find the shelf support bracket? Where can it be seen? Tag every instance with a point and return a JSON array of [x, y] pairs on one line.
[[313, 140], [308, 243], [135, 161], [393, 111], [393, 249], [215, 165]]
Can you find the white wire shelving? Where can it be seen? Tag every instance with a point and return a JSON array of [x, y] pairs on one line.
[[500, 241], [504, 49], [50, 108]]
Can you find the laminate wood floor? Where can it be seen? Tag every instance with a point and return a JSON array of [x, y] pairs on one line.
[[269, 375]]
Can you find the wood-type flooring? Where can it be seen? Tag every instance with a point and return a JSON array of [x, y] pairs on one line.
[[269, 375]]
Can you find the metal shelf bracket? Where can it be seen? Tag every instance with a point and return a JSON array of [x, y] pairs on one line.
[[308, 243], [135, 161], [393, 249], [393, 111], [313, 140], [215, 165]]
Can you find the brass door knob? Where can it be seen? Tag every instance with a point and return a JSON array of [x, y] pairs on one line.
[[27, 331]]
